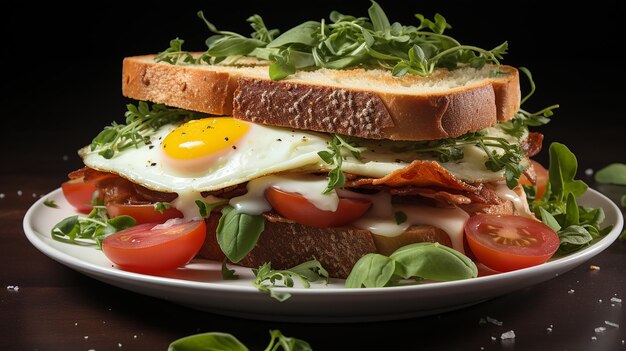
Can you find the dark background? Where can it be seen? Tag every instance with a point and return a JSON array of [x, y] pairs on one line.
[[61, 70], [62, 64]]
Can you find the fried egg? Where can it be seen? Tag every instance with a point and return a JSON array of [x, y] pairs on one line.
[[211, 154], [214, 153]]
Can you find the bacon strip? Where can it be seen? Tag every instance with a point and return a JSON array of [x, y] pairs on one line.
[[532, 145]]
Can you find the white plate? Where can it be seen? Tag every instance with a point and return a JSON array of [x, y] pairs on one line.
[[199, 285]]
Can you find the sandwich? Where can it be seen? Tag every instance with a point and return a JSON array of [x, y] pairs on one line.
[[344, 143]]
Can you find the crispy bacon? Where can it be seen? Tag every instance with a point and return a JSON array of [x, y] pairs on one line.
[[532, 145], [428, 179]]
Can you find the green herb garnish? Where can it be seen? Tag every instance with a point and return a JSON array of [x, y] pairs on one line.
[[451, 149], [334, 157], [50, 203], [344, 41], [90, 230], [205, 208], [577, 226], [162, 206], [142, 121], [215, 341], [268, 278], [518, 126]]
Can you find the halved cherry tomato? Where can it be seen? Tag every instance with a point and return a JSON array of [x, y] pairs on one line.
[[79, 193], [296, 207], [146, 249], [542, 179], [506, 243], [143, 213]]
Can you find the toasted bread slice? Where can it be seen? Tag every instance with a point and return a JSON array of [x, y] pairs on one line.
[[367, 103]]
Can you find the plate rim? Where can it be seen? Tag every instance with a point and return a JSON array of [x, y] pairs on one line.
[[36, 239]]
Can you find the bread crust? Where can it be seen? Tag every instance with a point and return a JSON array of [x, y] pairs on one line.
[[367, 112]]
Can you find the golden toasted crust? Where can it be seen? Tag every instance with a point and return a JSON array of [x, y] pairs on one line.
[[322, 100]]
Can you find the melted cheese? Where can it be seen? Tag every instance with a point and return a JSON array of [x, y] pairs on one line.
[[519, 201]]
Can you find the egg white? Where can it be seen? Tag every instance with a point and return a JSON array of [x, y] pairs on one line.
[[269, 150]]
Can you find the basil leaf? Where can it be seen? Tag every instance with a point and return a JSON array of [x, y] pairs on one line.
[[575, 235], [371, 271], [548, 219], [237, 233], [432, 261], [208, 342], [623, 200], [614, 173]]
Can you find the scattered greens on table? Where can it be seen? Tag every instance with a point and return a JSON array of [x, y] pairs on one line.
[[216, 341]]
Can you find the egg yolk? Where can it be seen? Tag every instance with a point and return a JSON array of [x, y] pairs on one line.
[[198, 143]]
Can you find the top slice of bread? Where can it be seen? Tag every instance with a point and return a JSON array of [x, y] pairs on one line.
[[367, 103]]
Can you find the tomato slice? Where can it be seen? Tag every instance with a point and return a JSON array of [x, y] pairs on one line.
[[506, 243], [296, 207], [146, 249], [79, 193], [144, 213], [542, 179]]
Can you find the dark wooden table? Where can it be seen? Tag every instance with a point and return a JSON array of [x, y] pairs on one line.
[[58, 102]]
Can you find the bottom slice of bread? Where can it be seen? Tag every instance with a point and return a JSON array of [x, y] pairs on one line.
[[288, 244]]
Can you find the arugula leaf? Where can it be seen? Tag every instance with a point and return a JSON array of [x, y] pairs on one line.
[[92, 229], [518, 126], [343, 41], [215, 341], [50, 203], [237, 233], [419, 261], [175, 54], [575, 225], [142, 121], [268, 278], [614, 173], [286, 343], [563, 166], [511, 160]]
